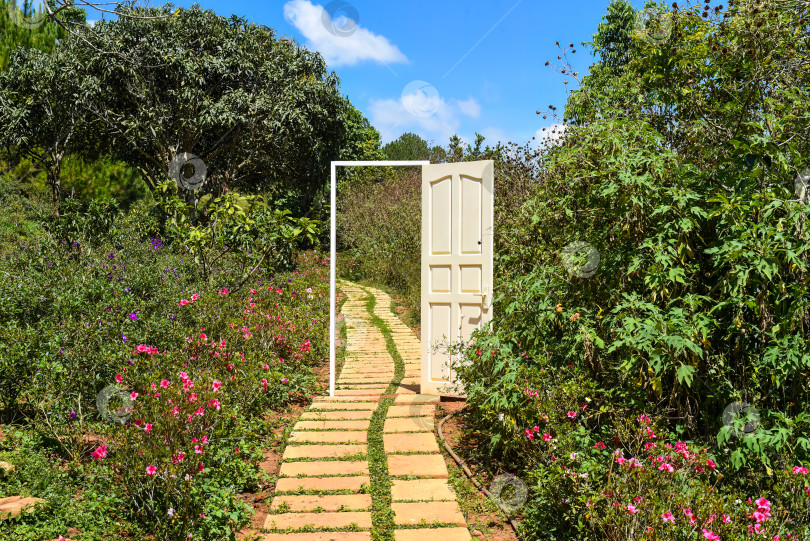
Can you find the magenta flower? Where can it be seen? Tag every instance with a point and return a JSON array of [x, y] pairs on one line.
[[708, 534], [151, 470], [631, 508], [572, 414], [599, 445], [164, 383], [99, 453], [148, 427], [667, 467], [119, 378], [133, 395], [668, 517], [183, 302], [216, 385], [284, 380], [799, 470]]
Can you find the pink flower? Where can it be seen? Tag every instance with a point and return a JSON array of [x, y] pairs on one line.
[[711, 463], [183, 375], [727, 519], [183, 302], [192, 397], [600, 445], [667, 467], [546, 437], [762, 502], [151, 470], [799, 470], [266, 366], [631, 508], [133, 395], [708, 534], [643, 419], [164, 383], [572, 456], [119, 378], [668, 517], [197, 449], [264, 383], [99, 453], [284, 380], [148, 427], [176, 459], [215, 403], [194, 297], [572, 414]]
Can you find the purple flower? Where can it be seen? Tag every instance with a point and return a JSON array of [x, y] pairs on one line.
[[133, 316], [172, 318], [72, 413], [61, 352], [130, 363], [126, 290], [123, 338]]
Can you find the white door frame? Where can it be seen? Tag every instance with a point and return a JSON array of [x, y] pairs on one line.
[[333, 249]]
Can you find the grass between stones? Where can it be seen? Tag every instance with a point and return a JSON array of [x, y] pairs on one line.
[[382, 516]]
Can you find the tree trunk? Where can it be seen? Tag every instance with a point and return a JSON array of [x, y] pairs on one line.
[[55, 180]]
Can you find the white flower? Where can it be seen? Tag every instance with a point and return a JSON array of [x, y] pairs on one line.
[[171, 511]]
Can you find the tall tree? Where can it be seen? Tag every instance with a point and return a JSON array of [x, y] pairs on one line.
[[257, 110]]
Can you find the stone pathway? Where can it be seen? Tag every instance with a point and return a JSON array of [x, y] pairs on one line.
[[324, 482]]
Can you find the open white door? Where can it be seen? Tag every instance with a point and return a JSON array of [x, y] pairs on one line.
[[457, 248]]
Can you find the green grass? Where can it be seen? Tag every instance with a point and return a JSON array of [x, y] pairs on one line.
[[382, 516]]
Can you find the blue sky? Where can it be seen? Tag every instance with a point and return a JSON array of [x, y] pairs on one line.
[[437, 68]]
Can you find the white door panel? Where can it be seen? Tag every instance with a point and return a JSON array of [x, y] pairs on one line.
[[457, 248]]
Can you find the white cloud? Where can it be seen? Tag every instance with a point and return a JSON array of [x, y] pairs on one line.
[[339, 50], [394, 117], [92, 22], [469, 107]]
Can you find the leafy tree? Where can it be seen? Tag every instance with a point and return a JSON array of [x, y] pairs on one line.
[[362, 140], [256, 110], [39, 113], [407, 146], [681, 172], [12, 35]]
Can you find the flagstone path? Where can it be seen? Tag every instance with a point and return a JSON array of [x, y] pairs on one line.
[[324, 482]]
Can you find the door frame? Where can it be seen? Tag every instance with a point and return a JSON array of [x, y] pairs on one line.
[[333, 248]]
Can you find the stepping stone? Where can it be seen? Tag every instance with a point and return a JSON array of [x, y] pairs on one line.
[[343, 406], [328, 425], [321, 415], [12, 506], [317, 520], [322, 451], [318, 536], [347, 399], [351, 380], [422, 490], [362, 386], [329, 437], [407, 390], [414, 410], [432, 466], [6, 467], [330, 467], [330, 502], [417, 399], [351, 392], [432, 534], [414, 513], [293, 484], [406, 443], [408, 424]]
